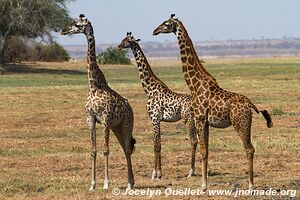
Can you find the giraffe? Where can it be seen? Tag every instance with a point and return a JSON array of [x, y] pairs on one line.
[[212, 105], [104, 106], [163, 104]]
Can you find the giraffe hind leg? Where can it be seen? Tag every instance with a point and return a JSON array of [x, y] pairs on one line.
[[123, 134], [242, 125], [203, 137], [191, 129]]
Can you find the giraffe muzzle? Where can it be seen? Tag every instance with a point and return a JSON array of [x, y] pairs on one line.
[[120, 47], [64, 32], [156, 31]]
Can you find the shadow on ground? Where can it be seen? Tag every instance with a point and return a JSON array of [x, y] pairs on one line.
[[23, 69]]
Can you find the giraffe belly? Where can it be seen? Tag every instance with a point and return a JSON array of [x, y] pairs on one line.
[[171, 114], [167, 117], [222, 122]]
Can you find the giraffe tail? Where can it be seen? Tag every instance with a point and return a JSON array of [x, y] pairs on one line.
[[266, 115], [132, 143]]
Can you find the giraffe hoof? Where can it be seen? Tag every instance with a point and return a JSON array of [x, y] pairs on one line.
[[191, 174], [251, 187], [129, 187], [105, 185], [92, 188], [153, 176], [203, 190], [156, 178], [159, 175]]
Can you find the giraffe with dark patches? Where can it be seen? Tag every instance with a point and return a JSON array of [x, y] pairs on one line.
[[212, 105], [104, 106], [163, 104]]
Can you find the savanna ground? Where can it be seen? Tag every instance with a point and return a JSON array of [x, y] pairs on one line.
[[45, 142]]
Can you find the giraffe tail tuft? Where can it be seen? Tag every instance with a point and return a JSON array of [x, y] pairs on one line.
[[132, 143], [267, 116], [265, 113]]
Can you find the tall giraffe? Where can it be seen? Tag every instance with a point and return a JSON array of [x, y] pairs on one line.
[[163, 104], [212, 105], [104, 106]]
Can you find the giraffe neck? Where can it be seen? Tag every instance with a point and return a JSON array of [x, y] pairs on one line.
[[96, 78], [191, 66], [148, 79]]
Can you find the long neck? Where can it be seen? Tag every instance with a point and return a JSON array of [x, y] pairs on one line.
[[95, 76], [148, 79], [191, 66]]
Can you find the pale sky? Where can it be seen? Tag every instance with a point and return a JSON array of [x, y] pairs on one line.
[[204, 19]]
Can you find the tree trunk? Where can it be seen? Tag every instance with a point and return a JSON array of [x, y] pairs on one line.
[[3, 45], [1, 51]]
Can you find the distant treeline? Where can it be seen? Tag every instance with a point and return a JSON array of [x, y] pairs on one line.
[[228, 48]]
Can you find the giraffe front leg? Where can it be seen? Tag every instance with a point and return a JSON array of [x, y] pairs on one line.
[[92, 124], [191, 129], [105, 154], [203, 135], [157, 152]]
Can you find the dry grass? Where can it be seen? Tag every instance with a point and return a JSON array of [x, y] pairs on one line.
[[44, 144]]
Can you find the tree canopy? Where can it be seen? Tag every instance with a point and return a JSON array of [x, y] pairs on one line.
[[31, 18]]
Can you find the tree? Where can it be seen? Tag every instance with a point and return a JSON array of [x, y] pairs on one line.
[[114, 56], [31, 18]]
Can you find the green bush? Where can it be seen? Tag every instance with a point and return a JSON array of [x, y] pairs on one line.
[[19, 50], [51, 53], [113, 56]]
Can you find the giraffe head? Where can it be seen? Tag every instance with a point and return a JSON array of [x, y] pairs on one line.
[[80, 25], [128, 42], [168, 26]]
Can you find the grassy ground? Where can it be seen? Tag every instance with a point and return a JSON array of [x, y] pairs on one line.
[[44, 140]]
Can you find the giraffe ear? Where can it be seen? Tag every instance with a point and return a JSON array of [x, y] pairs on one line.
[[138, 40]]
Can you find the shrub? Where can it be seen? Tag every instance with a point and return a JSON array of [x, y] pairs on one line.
[[17, 50], [113, 56], [51, 53]]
